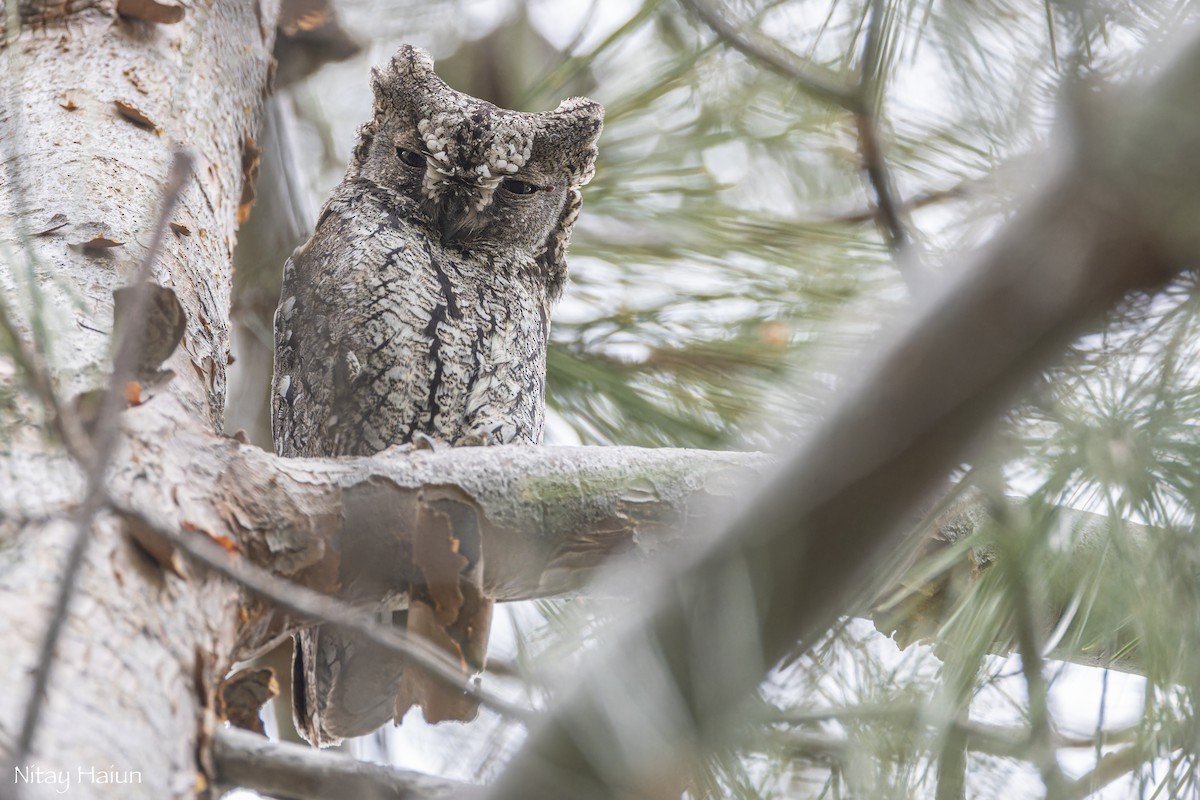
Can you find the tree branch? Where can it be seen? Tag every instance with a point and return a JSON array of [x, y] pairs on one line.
[[295, 772], [859, 101], [887, 210], [546, 518], [776, 57]]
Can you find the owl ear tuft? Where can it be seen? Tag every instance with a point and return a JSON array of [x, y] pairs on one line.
[[570, 131], [410, 68]]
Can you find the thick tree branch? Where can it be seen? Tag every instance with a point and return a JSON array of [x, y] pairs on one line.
[[296, 772], [1117, 218], [551, 516], [544, 517]]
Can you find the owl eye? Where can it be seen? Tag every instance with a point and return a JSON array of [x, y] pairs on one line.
[[410, 158], [517, 187]]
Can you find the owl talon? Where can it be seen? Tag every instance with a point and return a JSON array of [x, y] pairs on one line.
[[478, 439], [423, 441]]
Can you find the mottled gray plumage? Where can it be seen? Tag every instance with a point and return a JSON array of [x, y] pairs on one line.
[[421, 305]]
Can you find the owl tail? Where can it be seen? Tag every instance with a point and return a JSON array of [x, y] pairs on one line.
[[345, 685], [342, 685]]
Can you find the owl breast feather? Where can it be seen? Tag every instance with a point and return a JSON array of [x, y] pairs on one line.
[[391, 334]]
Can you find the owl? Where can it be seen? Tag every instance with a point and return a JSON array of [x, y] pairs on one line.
[[419, 311]]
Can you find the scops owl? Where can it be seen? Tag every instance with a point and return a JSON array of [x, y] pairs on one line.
[[419, 310]]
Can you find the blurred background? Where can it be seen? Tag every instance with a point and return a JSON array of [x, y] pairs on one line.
[[745, 240]]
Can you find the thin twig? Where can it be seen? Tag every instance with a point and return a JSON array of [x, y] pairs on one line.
[[1029, 641], [860, 101], [889, 212], [776, 57], [104, 445], [66, 424], [319, 608], [922, 200]]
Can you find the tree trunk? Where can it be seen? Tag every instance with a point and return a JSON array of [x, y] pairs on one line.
[[94, 104]]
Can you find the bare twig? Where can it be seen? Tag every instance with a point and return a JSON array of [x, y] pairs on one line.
[[103, 447], [66, 424], [887, 209], [1029, 642], [776, 57], [927, 198], [889, 212], [295, 772], [319, 608], [859, 100]]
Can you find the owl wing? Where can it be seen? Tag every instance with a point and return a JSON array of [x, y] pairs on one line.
[[310, 339], [301, 386]]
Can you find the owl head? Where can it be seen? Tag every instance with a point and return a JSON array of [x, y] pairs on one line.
[[480, 177]]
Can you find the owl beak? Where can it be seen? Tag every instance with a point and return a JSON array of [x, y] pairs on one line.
[[455, 216], [451, 226]]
